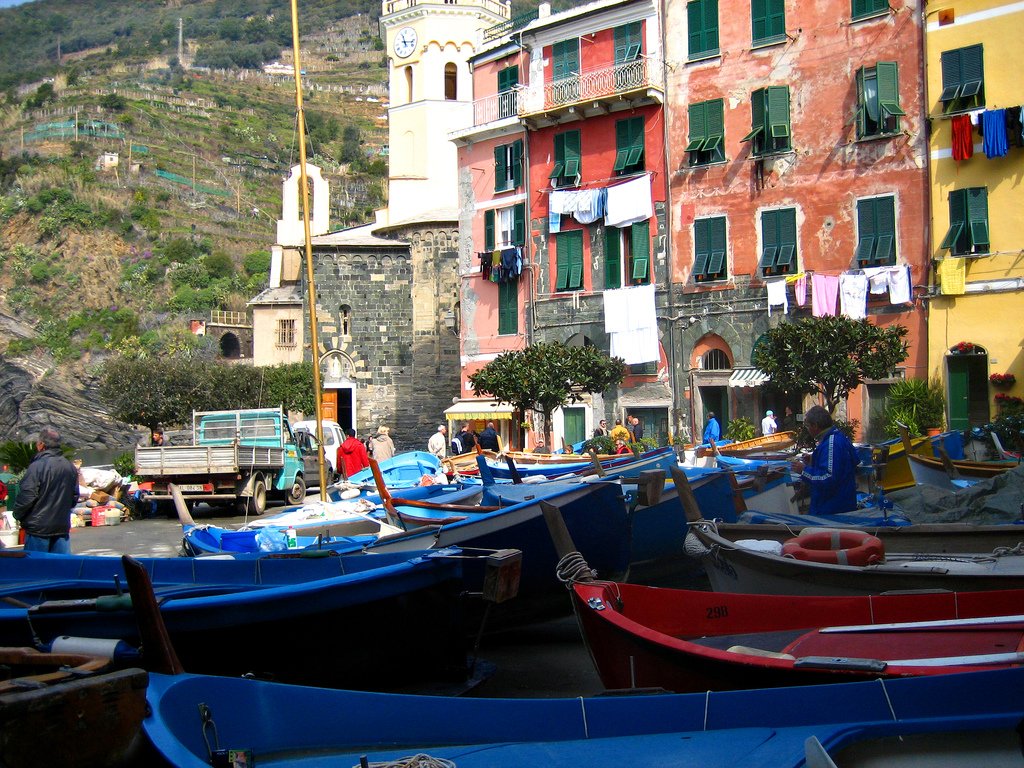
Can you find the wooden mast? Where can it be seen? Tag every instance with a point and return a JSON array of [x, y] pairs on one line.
[[314, 336]]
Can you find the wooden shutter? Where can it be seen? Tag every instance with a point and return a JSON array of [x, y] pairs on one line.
[[787, 237], [500, 167], [887, 76], [714, 122], [957, 220], [972, 70], [756, 116], [508, 307], [716, 263], [508, 78], [566, 59], [759, 19], [951, 82], [701, 247], [519, 224], [977, 217], [627, 42], [562, 258], [571, 155], [641, 245], [517, 163], [695, 27], [612, 257], [710, 25], [576, 260], [489, 230], [778, 111], [698, 131], [885, 229]]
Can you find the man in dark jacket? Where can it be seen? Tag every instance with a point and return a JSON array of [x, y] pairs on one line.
[[488, 437], [48, 493], [831, 475]]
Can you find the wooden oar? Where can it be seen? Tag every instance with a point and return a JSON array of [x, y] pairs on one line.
[[156, 642], [934, 624], [685, 493]]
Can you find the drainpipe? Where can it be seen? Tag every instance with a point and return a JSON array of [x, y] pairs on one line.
[[930, 206]]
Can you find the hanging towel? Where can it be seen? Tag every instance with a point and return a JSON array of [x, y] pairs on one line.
[[629, 202], [878, 279], [631, 321], [616, 311], [952, 275], [853, 294], [994, 122], [635, 347], [800, 290], [777, 295], [1014, 127], [485, 265], [590, 205], [554, 222], [963, 137], [558, 201], [899, 285], [824, 290]]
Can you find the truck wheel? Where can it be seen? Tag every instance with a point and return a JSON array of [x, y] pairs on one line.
[[297, 492], [257, 503]]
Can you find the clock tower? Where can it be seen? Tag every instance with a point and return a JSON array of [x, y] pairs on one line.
[[428, 47]]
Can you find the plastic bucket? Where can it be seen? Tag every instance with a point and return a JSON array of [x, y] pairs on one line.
[[9, 538]]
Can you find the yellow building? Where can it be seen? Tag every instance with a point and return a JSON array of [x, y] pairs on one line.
[[974, 95]]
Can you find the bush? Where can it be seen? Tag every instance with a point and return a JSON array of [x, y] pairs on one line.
[[918, 404], [124, 464], [740, 428]]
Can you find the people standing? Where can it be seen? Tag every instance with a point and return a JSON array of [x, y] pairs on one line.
[[768, 424], [488, 438], [831, 475], [619, 432], [383, 445], [712, 432], [636, 429], [789, 423], [352, 454], [48, 493], [157, 438], [438, 442], [469, 437], [602, 428]]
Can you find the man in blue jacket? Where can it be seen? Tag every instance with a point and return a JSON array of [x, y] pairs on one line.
[[48, 493], [831, 476], [712, 431]]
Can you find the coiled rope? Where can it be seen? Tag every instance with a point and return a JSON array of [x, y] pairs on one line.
[[572, 567], [420, 760]]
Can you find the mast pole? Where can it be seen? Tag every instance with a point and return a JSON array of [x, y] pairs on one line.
[[314, 335]]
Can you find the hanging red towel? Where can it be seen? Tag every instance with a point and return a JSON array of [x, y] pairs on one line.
[[963, 137]]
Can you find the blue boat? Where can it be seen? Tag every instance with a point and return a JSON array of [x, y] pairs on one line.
[[965, 719], [300, 619], [403, 470], [627, 466]]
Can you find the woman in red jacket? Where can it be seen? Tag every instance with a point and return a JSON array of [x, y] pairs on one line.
[[352, 454]]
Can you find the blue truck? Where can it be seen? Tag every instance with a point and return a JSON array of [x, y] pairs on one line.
[[240, 457]]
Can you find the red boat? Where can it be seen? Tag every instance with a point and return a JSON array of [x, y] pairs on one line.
[[683, 640]]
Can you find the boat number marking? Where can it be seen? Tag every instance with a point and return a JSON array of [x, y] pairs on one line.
[[718, 611]]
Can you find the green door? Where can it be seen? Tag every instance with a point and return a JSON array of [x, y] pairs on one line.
[[958, 379], [715, 399], [574, 425]]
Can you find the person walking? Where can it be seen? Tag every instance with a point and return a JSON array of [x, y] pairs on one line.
[[602, 428], [488, 438], [352, 454], [831, 476], [438, 442], [712, 432], [48, 493], [768, 424], [383, 445]]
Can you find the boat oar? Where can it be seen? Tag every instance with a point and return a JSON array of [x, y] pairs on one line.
[[564, 546], [598, 466], [512, 470], [685, 493], [156, 642], [184, 516], [378, 479]]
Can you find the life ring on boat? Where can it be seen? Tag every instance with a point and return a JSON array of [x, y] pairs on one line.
[[836, 547]]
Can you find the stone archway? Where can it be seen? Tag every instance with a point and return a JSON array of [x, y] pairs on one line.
[[230, 346]]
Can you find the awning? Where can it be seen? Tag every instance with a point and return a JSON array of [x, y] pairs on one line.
[[747, 377], [479, 409]]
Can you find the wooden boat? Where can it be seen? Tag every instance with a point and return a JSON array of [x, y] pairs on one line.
[[766, 446], [891, 456], [953, 474], [290, 618], [67, 709], [554, 465], [734, 568], [403, 470], [684, 640], [967, 719]]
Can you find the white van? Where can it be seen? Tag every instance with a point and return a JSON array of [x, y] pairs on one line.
[[333, 437]]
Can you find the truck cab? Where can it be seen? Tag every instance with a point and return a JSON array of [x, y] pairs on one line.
[[334, 436]]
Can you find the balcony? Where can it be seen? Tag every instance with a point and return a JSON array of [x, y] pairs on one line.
[[496, 107], [508, 27], [597, 91]]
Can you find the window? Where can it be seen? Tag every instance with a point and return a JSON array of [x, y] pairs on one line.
[[715, 360], [565, 70], [878, 100], [702, 24], [876, 232], [286, 333], [864, 8], [629, 146], [566, 171], [709, 249], [778, 242], [451, 82], [769, 21], [963, 79], [769, 120], [505, 227], [508, 307], [968, 222], [569, 256], [508, 166], [345, 315], [508, 79], [707, 133], [644, 369], [627, 251], [628, 43]]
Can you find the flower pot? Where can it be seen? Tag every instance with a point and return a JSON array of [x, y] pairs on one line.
[[933, 432]]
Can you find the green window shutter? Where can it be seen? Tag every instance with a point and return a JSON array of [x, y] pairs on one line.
[[757, 115], [972, 70], [559, 166], [711, 25], [702, 23], [866, 231], [571, 155], [698, 131], [951, 82], [641, 243], [776, 18], [576, 260], [862, 102], [519, 224], [787, 237], [957, 220], [778, 111], [508, 307], [769, 239], [566, 59], [612, 257], [714, 121], [562, 258], [859, 8], [977, 217], [629, 144], [508, 78], [716, 263], [500, 167], [517, 163], [887, 75], [759, 19], [768, 20], [622, 145], [627, 42], [701, 247], [866, 7], [885, 228], [489, 230]]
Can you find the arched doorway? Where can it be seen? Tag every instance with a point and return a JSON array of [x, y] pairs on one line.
[[967, 385], [230, 346]]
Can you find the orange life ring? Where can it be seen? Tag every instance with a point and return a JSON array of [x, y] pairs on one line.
[[836, 547]]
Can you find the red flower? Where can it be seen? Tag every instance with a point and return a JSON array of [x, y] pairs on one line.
[[1003, 379]]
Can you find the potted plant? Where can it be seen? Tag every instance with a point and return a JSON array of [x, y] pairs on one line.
[[918, 404], [963, 348], [740, 429], [1002, 379]]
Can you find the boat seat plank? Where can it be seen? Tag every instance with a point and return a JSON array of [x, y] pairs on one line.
[[775, 642]]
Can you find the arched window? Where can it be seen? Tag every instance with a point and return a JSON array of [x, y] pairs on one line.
[[345, 319], [715, 360], [451, 80], [408, 85]]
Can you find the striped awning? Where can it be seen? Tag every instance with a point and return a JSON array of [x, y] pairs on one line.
[[747, 377], [479, 409]]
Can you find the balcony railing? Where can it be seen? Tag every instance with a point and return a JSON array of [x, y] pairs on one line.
[[496, 107], [510, 26], [593, 85], [224, 317]]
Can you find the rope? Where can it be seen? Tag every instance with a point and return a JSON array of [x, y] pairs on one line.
[[421, 760], [1017, 549], [571, 568]]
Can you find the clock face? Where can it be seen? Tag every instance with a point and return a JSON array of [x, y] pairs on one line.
[[405, 42]]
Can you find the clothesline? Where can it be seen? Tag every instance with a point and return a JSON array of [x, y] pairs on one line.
[[599, 182]]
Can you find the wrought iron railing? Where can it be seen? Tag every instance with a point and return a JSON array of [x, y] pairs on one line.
[[644, 72], [496, 107], [507, 27]]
